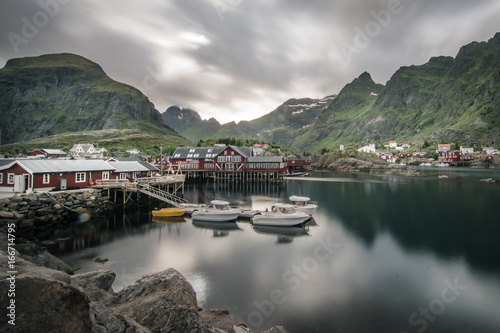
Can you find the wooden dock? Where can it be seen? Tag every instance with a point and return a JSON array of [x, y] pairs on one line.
[[163, 188]]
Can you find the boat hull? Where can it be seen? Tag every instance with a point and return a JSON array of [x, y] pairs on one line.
[[309, 209], [168, 212], [285, 220], [209, 216]]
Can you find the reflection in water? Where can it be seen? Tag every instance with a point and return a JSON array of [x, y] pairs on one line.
[[220, 229], [382, 249], [284, 234]]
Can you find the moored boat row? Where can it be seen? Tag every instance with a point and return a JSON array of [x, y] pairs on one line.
[[280, 214]]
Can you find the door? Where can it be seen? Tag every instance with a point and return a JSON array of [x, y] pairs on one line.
[[19, 183]]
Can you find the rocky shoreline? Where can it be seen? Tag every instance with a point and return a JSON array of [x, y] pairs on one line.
[[34, 213], [46, 296], [352, 164]]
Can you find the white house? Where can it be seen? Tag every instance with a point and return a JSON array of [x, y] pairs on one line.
[[86, 150], [393, 144], [490, 150], [133, 151], [368, 149]]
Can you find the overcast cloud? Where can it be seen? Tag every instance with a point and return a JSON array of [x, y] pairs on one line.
[[240, 59]]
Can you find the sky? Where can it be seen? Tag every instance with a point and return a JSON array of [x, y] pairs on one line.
[[240, 59]]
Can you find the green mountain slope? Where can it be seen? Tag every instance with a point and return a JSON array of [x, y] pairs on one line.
[[60, 93], [446, 100]]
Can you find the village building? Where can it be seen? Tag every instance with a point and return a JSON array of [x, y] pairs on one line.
[[393, 144], [406, 145], [298, 163], [86, 150], [34, 175], [46, 153], [227, 163], [133, 151], [131, 170], [38, 175], [443, 148], [490, 150], [455, 157], [260, 149], [466, 149], [368, 149]]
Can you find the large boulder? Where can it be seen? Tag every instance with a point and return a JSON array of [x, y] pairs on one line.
[[163, 302], [47, 305], [96, 284]]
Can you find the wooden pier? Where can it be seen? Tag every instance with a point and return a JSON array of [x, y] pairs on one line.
[[237, 176], [163, 188]]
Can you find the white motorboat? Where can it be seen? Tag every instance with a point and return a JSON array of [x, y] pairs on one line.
[[304, 204], [219, 211], [281, 214]]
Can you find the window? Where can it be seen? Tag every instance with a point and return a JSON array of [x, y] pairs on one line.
[[190, 155], [192, 150], [1, 178], [123, 175], [177, 155], [10, 178], [230, 166], [237, 158], [136, 175], [221, 159], [105, 175], [46, 178], [80, 177]]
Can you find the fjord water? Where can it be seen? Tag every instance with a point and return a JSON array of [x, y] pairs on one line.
[[383, 254]]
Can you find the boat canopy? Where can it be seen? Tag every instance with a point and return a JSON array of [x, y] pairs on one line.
[[283, 208], [299, 201], [220, 204]]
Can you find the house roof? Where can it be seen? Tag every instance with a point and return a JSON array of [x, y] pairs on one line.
[[54, 166], [444, 145], [265, 159], [131, 166], [307, 159], [197, 152], [54, 151], [244, 151]]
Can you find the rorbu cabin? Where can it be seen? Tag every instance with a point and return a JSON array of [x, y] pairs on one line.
[[38, 175]]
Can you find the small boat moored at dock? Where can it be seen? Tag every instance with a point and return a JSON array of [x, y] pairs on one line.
[[219, 210], [281, 214], [304, 204], [168, 212]]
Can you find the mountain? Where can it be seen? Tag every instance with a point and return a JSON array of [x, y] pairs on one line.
[[281, 125], [58, 93], [189, 124], [445, 100]]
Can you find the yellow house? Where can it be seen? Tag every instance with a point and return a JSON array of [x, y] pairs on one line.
[[466, 149]]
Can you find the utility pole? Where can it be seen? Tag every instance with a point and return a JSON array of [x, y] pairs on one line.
[[161, 162]]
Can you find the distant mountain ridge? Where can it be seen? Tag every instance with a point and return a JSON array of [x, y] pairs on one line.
[[280, 125], [58, 93], [447, 100]]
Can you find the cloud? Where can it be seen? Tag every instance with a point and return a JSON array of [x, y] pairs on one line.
[[240, 59]]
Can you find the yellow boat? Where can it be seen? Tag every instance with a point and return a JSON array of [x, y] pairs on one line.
[[167, 212], [169, 219]]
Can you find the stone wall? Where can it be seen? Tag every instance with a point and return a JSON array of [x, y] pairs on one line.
[[37, 211]]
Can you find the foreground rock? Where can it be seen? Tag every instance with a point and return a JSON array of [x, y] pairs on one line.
[[52, 300]]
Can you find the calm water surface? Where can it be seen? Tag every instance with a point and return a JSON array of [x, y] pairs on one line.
[[383, 254]]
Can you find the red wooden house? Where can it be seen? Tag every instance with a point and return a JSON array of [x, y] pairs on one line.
[[224, 159], [33, 175]]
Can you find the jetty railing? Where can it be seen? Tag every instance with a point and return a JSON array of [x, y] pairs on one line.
[[160, 194]]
